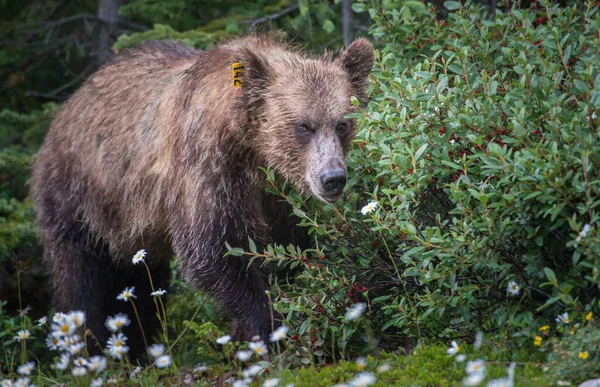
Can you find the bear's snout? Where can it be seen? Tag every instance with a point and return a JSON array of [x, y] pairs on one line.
[[333, 182]]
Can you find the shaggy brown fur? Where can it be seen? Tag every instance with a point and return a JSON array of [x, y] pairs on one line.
[[158, 150]]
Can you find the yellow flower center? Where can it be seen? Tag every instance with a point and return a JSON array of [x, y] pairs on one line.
[[118, 324], [64, 328], [118, 343]]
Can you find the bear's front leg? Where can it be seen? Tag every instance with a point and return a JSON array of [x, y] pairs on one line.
[[238, 288]]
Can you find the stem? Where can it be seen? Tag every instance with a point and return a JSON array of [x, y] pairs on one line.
[[137, 316]]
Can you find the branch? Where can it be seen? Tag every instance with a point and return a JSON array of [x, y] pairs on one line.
[[53, 93], [270, 18]]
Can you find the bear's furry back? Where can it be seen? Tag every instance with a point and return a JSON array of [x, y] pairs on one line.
[[154, 131]]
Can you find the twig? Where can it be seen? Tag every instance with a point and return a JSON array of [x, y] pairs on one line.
[[270, 18]]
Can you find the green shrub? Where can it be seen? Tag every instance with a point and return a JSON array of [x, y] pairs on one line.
[[480, 148]]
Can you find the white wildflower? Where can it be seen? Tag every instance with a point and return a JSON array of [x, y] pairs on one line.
[[563, 383], [6, 383], [42, 321], [139, 257], [126, 294], [244, 355], [26, 369], [22, 335], [116, 345], [385, 367], [454, 348], [279, 333], [76, 318], [259, 348], [460, 358], [52, 342], [452, 142], [356, 311], [156, 350], [163, 361], [252, 371], [563, 318], [97, 363], [475, 367], [223, 339], [271, 382], [474, 380], [502, 382], [58, 317], [363, 379], [63, 328], [80, 361], [136, 371], [117, 322], [369, 208], [79, 371], [22, 382], [158, 293], [513, 288], [76, 348], [96, 382], [239, 383], [63, 362]]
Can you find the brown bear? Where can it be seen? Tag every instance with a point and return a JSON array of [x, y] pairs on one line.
[[161, 149]]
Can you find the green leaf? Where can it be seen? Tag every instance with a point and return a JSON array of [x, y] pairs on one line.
[[452, 5]]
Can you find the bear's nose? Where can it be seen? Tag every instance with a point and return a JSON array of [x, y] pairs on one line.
[[333, 181]]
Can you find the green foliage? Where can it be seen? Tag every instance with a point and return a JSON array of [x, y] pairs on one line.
[[480, 151]]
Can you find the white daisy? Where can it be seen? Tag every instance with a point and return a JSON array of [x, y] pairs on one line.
[[97, 363], [77, 318], [369, 208], [156, 350], [80, 361], [563, 318], [355, 311], [63, 328], [239, 383], [76, 348], [363, 379], [460, 358], [259, 348], [271, 382], [139, 257], [52, 342], [158, 293], [279, 333], [79, 371], [26, 369], [22, 335], [96, 382], [6, 383], [66, 342], [502, 382], [127, 294], [43, 321], [163, 361], [116, 345], [513, 288], [474, 379], [22, 382], [454, 348], [475, 367], [63, 362], [244, 355], [252, 371], [385, 367], [223, 339], [136, 371], [117, 322], [58, 317]]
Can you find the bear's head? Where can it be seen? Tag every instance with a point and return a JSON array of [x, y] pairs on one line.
[[297, 106]]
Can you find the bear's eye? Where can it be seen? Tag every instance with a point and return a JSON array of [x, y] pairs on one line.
[[303, 129], [342, 128]]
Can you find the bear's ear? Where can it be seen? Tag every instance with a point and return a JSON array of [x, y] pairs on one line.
[[256, 76], [357, 60]]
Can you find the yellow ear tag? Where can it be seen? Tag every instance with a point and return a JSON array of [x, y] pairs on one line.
[[237, 74]]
